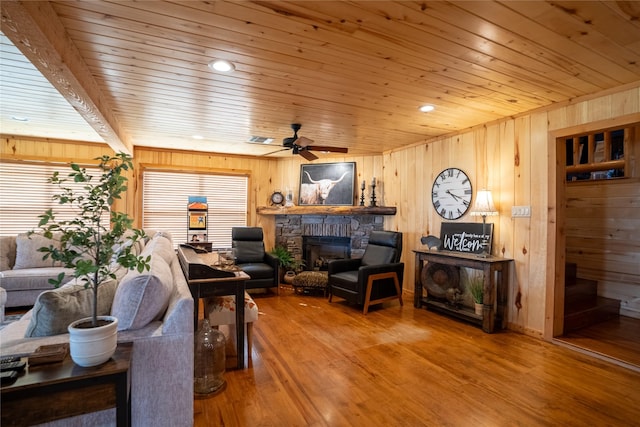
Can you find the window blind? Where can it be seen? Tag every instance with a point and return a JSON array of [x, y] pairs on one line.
[[25, 194], [165, 197]]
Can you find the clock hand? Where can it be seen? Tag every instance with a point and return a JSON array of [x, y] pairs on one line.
[[453, 195]]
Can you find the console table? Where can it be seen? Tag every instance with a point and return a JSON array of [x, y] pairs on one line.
[[205, 281], [495, 275]]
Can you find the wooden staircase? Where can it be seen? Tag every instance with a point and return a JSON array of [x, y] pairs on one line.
[[582, 305]]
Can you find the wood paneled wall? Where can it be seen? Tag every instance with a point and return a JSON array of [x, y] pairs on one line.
[[515, 158], [603, 235]]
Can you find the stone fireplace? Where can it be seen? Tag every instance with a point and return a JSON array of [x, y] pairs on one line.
[[321, 233]]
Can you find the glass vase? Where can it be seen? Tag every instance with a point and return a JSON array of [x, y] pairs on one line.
[[210, 360]]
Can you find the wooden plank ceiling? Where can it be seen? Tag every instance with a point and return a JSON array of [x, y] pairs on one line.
[[352, 73]]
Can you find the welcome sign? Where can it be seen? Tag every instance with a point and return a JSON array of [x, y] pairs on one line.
[[465, 237]]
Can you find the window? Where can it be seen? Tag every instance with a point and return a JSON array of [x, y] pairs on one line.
[[165, 197], [25, 194]]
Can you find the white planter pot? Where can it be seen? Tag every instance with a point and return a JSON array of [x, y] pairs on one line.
[[93, 346]]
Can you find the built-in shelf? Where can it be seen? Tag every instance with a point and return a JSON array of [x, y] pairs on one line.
[[326, 210], [600, 154]]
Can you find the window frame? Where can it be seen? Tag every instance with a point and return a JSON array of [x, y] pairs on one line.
[[180, 235]]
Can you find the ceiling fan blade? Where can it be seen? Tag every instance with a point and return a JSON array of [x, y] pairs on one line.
[[330, 149], [303, 141], [307, 155], [277, 151]]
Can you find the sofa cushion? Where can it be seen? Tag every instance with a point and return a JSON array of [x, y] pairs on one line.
[[27, 254], [32, 278], [7, 252], [143, 297], [159, 245], [55, 309]]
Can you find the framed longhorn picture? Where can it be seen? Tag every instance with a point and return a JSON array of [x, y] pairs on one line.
[[327, 184]]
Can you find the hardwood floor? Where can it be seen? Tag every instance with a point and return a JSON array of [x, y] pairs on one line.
[[321, 364], [616, 339]]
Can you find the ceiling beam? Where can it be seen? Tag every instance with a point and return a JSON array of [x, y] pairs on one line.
[[35, 29]]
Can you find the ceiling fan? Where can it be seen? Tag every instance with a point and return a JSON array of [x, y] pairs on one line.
[[302, 145]]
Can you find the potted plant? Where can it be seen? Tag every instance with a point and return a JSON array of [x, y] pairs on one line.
[[476, 288], [94, 247], [285, 258], [290, 265]]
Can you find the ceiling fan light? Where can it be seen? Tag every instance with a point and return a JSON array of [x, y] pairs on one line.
[[222, 66], [426, 108]]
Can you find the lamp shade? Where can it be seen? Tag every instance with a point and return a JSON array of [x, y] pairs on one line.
[[484, 204]]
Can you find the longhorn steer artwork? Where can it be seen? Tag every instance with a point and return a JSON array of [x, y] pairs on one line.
[[317, 192], [329, 184]]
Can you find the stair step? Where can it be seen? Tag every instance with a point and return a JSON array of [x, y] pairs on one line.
[[570, 273], [587, 314], [581, 288]]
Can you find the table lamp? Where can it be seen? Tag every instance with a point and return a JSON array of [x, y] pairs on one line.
[[484, 207]]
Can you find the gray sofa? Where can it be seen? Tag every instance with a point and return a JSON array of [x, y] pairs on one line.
[[162, 359], [23, 272]]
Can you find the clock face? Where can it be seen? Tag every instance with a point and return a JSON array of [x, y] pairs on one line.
[[451, 193], [277, 198]]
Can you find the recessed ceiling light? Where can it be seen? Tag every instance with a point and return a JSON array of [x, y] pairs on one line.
[[20, 118], [427, 108], [197, 137], [222, 66]]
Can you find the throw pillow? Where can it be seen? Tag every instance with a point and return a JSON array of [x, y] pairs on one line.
[[7, 252], [27, 254], [143, 297], [54, 310]]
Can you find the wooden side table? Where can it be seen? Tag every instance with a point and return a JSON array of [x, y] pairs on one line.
[[495, 273], [54, 391]]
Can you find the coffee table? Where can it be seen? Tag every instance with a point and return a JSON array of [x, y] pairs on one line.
[[59, 390]]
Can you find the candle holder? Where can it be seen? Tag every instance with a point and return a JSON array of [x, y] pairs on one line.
[[362, 197], [373, 194]]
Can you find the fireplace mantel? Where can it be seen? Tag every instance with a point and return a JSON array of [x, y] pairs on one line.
[[326, 210]]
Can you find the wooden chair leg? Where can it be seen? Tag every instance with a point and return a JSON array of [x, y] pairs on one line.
[[249, 338], [380, 276]]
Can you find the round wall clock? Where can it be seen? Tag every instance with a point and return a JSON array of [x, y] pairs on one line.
[[451, 193], [277, 198]]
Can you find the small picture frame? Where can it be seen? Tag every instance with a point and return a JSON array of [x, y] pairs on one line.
[[197, 220], [197, 237], [327, 184]]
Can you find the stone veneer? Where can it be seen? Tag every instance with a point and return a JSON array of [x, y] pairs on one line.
[[291, 228]]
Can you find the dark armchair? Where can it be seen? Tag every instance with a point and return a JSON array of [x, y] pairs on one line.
[[248, 249], [372, 279]]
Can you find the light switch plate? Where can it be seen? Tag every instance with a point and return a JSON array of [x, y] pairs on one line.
[[520, 211]]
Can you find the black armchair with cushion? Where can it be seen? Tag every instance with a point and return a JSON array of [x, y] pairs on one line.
[[248, 250], [372, 279]]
